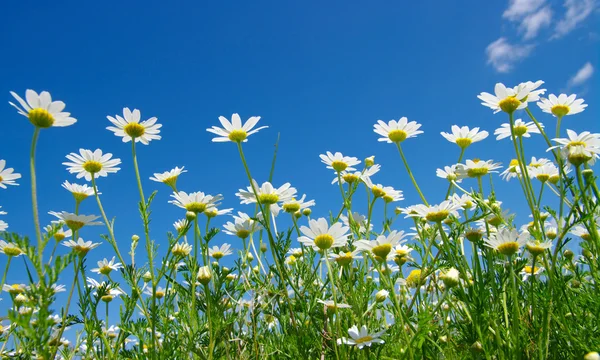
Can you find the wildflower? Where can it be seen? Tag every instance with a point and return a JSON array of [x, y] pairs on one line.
[[562, 105], [331, 305], [593, 355], [218, 252], [105, 267], [79, 192], [292, 206], [181, 249], [520, 129], [543, 173], [267, 194], [436, 213], [130, 128], [397, 131], [507, 242], [58, 288], [169, 177], [234, 131], [463, 136], [339, 162], [81, 247], [528, 270], [90, 164], [320, 236], [41, 111], [76, 222], [382, 246], [382, 295], [505, 99], [112, 332], [451, 173], [401, 254], [106, 291], [10, 249], [7, 176], [352, 177], [204, 275], [159, 293], [357, 219], [450, 277], [477, 168], [195, 202], [532, 87], [415, 278], [212, 212], [387, 193], [361, 338], [370, 161], [15, 289], [582, 232], [344, 258], [242, 227], [579, 148], [465, 201], [180, 225]]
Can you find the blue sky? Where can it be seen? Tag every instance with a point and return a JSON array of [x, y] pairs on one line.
[[321, 74]]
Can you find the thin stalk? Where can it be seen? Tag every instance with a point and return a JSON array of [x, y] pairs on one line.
[[34, 199], [412, 178]]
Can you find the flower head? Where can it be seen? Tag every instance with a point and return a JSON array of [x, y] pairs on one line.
[[234, 131], [181, 249], [505, 99], [212, 212], [41, 111], [451, 173], [105, 266], [75, 222], [331, 305], [397, 131], [579, 148], [196, 202], [520, 129], [562, 105], [80, 192], [242, 226], [339, 162], [267, 194], [10, 249], [361, 338], [532, 88], [320, 236], [381, 247], [463, 136], [436, 213], [130, 128], [7, 176], [293, 205], [477, 168], [169, 177], [81, 247], [217, 252], [90, 164], [507, 241]]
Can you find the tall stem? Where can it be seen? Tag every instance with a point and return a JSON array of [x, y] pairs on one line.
[[412, 178], [34, 200]]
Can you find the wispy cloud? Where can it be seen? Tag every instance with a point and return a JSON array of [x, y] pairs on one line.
[[583, 75], [533, 23], [577, 11], [518, 9], [502, 55]]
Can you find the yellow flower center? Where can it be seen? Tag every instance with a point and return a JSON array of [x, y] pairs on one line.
[[291, 207], [535, 249], [529, 269], [243, 233], [107, 298], [586, 237], [554, 179], [463, 142], [134, 129], [397, 135], [74, 225], [560, 110], [238, 135], [12, 250], [92, 166], [414, 278], [494, 221], [509, 105], [474, 235], [377, 191], [381, 251], [196, 207], [543, 177], [437, 216], [324, 241], [520, 130], [217, 255], [81, 249], [350, 178], [105, 270], [41, 118], [339, 166], [159, 294], [363, 339], [508, 248], [344, 259], [268, 199], [59, 236], [211, 213], [15, 289], [79, 197], [171, 181], [477, 172]]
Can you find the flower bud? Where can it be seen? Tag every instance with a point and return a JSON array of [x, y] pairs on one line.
[[381, 296], [226, 270], [568, 254], [370, 161], [256, 270], [263, 247], [204, 275], [587, 253], [20, 299], [477, 347], [250, 257], [592, 356], [306, 212], [135, 238], [190, 216], [147, 276]]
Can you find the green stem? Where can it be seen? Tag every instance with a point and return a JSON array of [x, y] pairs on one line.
[[412, 178], [5, 272], [34, 199], [66, 312], [516, 321]]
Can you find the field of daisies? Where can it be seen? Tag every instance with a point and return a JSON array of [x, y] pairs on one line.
[[468, 280]]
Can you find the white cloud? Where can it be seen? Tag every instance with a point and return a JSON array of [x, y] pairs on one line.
[[533, 23], [503, 55], [518, 9], [577, 11], [583, 75]]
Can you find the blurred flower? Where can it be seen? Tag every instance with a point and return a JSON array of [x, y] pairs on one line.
[[361, 338]]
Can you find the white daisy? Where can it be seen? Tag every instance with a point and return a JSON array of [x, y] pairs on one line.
[[387, 193], [521, 129], [581, 231], [7, 176], [294, 205], [10, 249], [179, 225], [267, 194], [196, 202], [169, 177], [320, 236], [505, 99], [15, 288], [463, 136], [87, 164], [451, 173], [544, 172], [56, 288], [217, 252], [512, 171], [42, 111], [436, 213], [105, 266], [331, 305], [351, 177], [181, 249], [339, 162], [477, 168], [465, 201], [528, 270], [75, 222], [507, 241], [234, 131], [562, 105], [212, 212], [361, 338], [80, 246], [584, 146], [60, 234], [345, 258], [129, 127], [532, 88], [382, 246], [242, 226], [397, 131], [80, 192]]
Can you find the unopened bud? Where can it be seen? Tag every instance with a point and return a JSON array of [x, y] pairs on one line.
[[190, 215], [263, 247], [568, 254], [147, 276], [306, 212], [135, 238], [381, 295], [370, 161], [204, 275]]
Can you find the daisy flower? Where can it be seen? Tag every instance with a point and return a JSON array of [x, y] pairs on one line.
[[80, 192], [351, 177], [521, 129], [537, 247], [465, 201], [7, 177], [529, 270], [543, 173], [181, 249], [218, 252], [179, 225], [159, 293], [507, 241], [169, 177], [451, 173], [584, 146], [339, 162], [105, 267], [581, 231], [562, 105], [242, 226], [477, 168], [15, 289], [81, 247], [267, 194], [532, 87], [234, 131], [361, 338], [331, 305], [292, 206], [382, 246], [345, 258], [9, 249], [212, 212], [463, 136], [42, 111], [513, 170], [90, 164], [505, 99], [387, 193], [357, 219], [436, 213], [129, 127], [401, 254], [196, 202], [75, 222], [60, 234], [320, 236], [397, 131], [58, 288]]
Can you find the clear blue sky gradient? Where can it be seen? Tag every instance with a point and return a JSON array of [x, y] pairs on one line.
[[321, 74]]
